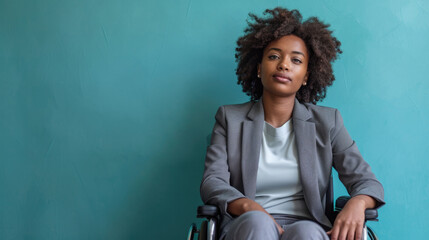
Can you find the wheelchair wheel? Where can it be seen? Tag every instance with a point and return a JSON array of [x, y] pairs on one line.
[[203, 231], [192, 231], [371, 234]]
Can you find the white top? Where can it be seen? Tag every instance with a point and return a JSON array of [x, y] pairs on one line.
[[278, 183]]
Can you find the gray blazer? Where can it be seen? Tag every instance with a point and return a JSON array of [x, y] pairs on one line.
[[322, 142]]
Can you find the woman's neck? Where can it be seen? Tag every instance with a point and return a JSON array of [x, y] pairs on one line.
[[277, 111]]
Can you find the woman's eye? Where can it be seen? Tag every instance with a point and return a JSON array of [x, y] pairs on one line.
[[296, 60], [273, 57]]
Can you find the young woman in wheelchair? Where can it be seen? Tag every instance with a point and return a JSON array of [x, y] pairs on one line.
[[270, 160]]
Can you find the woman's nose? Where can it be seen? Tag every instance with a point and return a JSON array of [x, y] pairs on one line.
[[282, 66]]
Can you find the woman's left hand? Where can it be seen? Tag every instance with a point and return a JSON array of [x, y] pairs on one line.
[[349, 223]]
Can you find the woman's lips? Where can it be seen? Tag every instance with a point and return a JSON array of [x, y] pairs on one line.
[[282, 78]]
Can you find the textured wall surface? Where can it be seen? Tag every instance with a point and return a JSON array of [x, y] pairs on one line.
[[105, 107]]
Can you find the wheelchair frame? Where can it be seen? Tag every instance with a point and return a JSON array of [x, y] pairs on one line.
[[208, 229]]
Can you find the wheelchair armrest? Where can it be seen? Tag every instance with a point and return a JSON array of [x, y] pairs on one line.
[[370, 214], [207, 211]]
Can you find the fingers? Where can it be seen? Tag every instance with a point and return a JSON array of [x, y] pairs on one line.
[[359, 230], [279, 228], [334, 232], [346, 231]]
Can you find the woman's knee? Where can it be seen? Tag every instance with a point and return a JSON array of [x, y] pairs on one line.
[[253, 225], [256, 220], [304, 230]]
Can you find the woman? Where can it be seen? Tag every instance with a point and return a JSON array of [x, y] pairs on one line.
[[269, 162]]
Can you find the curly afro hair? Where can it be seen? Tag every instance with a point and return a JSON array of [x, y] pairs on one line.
[[323, 49]]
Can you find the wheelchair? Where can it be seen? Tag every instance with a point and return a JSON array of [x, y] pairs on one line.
[[209, 227]]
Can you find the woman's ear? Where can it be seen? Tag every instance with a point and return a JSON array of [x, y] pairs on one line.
[[305, 79]]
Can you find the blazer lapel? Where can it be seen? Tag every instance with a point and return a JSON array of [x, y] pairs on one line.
[[251, 145], [305, 136]]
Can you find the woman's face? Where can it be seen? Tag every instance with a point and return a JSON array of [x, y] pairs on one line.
[[283, 69]]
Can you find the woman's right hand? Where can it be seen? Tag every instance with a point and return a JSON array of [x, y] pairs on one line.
[[242, 205]]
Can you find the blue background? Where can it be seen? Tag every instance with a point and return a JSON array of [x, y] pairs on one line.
[[105, 108]]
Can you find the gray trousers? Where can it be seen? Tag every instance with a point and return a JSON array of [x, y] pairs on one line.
[[258, 225]]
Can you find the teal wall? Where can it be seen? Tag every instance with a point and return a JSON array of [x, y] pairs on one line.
[[105, 108]]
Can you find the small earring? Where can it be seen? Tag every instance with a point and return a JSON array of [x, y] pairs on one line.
[[305, 83], [259, 75]]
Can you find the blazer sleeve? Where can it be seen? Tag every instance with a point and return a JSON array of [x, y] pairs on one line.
[[353, 171], [215, 187]]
